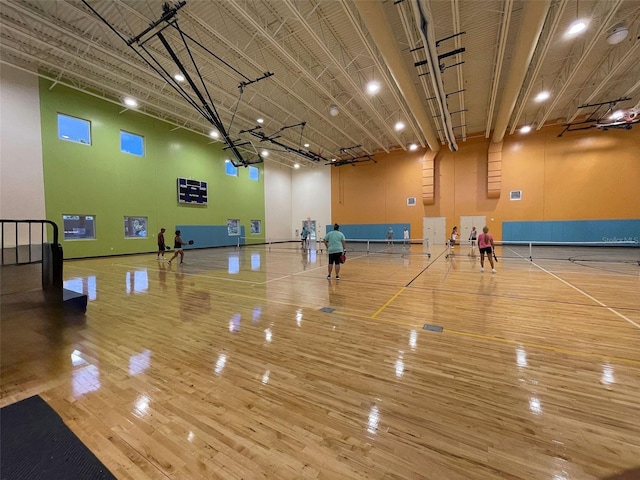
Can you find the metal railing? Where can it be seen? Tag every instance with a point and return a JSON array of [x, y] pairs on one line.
[[17, 248]]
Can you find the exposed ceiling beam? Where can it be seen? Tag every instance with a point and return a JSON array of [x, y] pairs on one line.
[[499, 61], [545, 43], [533, 17], [374, 18], [572, 66]]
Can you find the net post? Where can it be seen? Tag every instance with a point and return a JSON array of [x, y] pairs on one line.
[[530, 252], [368, 241], [238, 243]]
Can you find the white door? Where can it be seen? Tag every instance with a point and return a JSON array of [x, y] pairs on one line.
[[468, 221], [435, 229]]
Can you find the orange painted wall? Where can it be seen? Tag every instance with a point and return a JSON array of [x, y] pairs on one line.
[[582, 176]]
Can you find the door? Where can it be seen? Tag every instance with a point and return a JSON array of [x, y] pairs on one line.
[[435, 229], [469, 221]]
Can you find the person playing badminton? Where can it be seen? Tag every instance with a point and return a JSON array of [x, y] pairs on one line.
[[485, 244], [336, 246], [177, 245]]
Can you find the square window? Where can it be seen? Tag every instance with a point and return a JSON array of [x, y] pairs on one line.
[[131, 143], [254, 174], [515, 195], [135, 227], [230, 168], [233, 226], [411, 201], [78, 227], [74, 129]]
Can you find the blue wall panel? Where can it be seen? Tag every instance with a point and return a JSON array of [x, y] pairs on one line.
[[371, 231], [600, 231], [207, 236]]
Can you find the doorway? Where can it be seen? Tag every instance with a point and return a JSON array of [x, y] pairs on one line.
[[435, 230]]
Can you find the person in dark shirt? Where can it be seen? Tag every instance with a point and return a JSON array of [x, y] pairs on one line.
[[161, 245], [177, 244]]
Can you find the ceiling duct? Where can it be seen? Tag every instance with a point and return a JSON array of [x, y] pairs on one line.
[[425, 26], [374, 18]]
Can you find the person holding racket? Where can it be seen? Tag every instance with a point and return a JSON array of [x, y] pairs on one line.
[[485, 244], [177, 245], [336, 246]]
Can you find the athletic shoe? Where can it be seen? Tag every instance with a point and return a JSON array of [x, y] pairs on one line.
[[337, 277], [328, 277], [169, 262], [493, 270], [481, 269]]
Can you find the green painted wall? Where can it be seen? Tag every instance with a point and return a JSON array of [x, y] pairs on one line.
[[100, 180]]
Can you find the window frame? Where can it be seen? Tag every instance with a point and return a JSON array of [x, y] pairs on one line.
[[68, 139], [141, 137]]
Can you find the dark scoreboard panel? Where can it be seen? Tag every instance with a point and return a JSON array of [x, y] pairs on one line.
[[192, 191]]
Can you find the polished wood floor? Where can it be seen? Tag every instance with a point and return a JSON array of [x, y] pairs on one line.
[[250, 364]]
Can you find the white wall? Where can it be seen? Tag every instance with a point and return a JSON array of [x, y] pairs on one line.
[[277, 200], [311, 197], [21, 174]]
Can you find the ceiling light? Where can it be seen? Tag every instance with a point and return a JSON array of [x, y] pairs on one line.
[[260, 120], [615, 115], [577, 27], [333, 159], [265, 153], [333, 110], [306, 145], [130, 102], [297, 165], [618, 34], [542, 96], [413, 147], [214, 134], [525, 129], [179, 77], [399, 126], [373, 87]]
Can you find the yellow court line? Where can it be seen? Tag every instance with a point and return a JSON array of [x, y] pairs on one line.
[[542, 347], [387, 304]]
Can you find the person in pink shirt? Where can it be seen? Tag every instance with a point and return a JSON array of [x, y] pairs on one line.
[[485, 244]]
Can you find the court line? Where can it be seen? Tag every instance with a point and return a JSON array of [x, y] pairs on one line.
[[388, 302], [615, 312]]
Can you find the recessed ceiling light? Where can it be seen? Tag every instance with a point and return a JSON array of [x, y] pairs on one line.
[[179, 77], [525, 129], [214, 134], [577, 27], [542, 96], [265, 153], [373, 87], [413, 147], [260, 120], [297, 165], [130, 102], [306, 145], [399, 126]]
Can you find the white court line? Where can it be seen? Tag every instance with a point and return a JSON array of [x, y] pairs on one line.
[[304, 271], [579, 290]]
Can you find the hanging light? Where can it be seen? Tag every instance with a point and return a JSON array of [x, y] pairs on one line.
[[333, 110], [399, 126]]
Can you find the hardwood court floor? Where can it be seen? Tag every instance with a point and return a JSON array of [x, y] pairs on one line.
[[226, 367]]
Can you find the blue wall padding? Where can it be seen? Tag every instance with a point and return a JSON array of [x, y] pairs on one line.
[[371, 231], [604, 231], [206, 236]]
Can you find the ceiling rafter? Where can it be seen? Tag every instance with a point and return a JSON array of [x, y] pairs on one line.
[[309, 31], [320, 87], [581, 52], [544, 45], [499, 62]]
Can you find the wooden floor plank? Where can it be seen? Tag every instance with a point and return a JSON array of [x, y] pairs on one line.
[[227, 366]]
